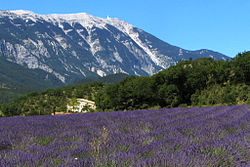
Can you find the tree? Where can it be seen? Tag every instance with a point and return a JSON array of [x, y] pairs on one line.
[[1, 113], [87, 108], [241, 68], [169, 95], [74, 103]]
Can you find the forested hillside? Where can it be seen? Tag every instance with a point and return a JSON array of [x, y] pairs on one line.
[[49, 101], [109, 79], [197, 82], [16, 80], [202, 81]]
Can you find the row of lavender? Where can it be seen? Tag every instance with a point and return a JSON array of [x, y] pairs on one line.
[[208, 136]]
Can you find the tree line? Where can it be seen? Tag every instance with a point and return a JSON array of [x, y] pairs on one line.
[[199, 82], [203, 81], [49, 101]]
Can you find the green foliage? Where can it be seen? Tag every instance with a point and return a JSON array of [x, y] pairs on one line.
[[44, 141], [217, 94], [1, 113], [16, 80], [73, 103], [6, 95], [133, 92], [202, 81], [109, 79], [240, 68], [87, 108], [170, 94], [199, 82], [49, 101]]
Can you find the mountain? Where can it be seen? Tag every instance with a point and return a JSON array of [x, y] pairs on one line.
[[203, 81], [73, 46], [109, 79], [16, 80]]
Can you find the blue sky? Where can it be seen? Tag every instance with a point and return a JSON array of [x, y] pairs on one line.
[[219, 25]]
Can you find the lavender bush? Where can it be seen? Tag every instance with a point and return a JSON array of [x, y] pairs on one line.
[[208, 136]]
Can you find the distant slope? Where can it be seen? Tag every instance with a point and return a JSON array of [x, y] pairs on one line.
[[16, 80], [74, 46], [202, 81], [113, 78]]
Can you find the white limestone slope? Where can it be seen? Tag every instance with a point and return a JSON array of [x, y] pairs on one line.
[[101, 54], [88, 21]]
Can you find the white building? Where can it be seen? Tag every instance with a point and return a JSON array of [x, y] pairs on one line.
[[82, 106]]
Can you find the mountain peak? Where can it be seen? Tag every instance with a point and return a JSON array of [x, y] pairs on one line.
[[73, 46], [84, 19], [74, 16], [22, 12]]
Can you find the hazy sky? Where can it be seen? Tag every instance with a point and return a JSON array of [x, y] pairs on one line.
[[219, 25]]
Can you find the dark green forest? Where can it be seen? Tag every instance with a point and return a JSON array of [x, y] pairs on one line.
[[109, 79], [199, 82], [49, 101], [16, 80]]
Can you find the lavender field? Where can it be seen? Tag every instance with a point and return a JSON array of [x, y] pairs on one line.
[[208, 136]]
